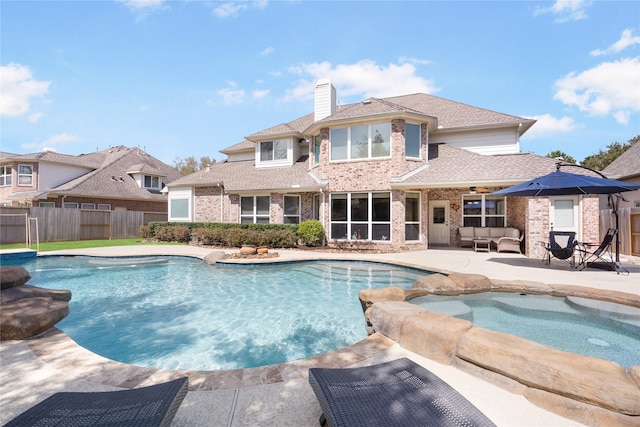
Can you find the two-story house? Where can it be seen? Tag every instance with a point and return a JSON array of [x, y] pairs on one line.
[[403, 171], [119, 178]]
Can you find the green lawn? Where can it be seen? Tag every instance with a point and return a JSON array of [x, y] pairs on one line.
[[81, 244]]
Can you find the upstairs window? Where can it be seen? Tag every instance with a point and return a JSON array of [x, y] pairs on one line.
[[412, 140], [5, 175], [271, 151], [152, 182], [361, 142], [317, 141], [25, 174]]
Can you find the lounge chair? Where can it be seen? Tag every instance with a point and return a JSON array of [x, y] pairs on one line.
[[397, 393], [561, 245], [597, 257], [155, 405]]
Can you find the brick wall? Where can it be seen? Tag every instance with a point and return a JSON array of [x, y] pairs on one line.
[[207, 204]]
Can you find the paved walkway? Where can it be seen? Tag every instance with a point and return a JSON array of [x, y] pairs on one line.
[[30, 373]]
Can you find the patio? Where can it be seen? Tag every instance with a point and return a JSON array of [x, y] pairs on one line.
[[29, 376]]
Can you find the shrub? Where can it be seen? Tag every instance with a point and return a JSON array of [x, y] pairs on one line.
[[173, 234], [311, 232], [145, 232], [239, 236], [277, 238]]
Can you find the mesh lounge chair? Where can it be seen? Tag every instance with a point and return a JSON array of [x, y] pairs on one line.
[[397, 393], [561, 245], [147, 406], [597, 256]]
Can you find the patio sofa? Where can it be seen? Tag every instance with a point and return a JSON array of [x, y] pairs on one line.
[[502, 238]]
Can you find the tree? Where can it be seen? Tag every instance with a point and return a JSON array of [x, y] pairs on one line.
[[189, 165], [557, 154], [603, 158]]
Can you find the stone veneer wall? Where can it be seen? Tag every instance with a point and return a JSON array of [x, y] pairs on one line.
[[586, 389]]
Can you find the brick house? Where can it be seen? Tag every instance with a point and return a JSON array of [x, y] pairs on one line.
[[403, 171], [119, 178]]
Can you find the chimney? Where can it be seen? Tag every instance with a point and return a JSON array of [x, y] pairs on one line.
[[325, 104]]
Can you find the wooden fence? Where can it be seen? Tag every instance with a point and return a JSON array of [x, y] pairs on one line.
[[56, 224], [628, 228]]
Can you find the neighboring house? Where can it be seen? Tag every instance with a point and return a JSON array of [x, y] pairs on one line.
[[404, 172], [119, 178], [627, 168]]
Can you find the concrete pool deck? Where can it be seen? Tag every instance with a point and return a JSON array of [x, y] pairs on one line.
[[33, 370]]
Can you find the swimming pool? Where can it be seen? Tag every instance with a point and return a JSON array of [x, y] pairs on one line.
[[592, 328], [181, 313]]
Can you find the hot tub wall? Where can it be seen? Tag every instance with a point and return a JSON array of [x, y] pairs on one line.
[[586, 389]]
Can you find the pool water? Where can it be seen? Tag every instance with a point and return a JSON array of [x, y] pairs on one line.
[[592, 328], [181, 313]]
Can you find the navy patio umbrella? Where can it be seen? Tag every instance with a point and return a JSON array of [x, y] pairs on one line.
[[561, 183]]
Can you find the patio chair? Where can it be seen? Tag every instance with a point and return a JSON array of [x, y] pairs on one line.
[[561, 245], [597, 257], [155, 405], [397, 393]]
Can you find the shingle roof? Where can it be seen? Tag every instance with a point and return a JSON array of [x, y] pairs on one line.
[[452, 166], [89, 161], [449, 114], [627, 165], [240, 146], [244, 176], [111, 180]]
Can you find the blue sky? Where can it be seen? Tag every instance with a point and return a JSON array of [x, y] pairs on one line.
[[189, 78]]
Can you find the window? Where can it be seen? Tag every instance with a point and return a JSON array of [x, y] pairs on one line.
[[361, 216], [291, 210], [479, 210], [88, 206], [274, 150], [254, 210], [412, 140], [178, 209], [361, 142], [5, 175], [25, 174], [104, 207], [46, 205], [412, 216], [70, 205], [317, 142], [151, 182]]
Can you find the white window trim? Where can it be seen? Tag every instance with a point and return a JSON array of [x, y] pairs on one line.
[[88, 206], [254, 215], [70, 205], [25, 174], [284, 214], [7, 177], [277, 162], [46, 204], [483, 215], [419, 142], [369, 147], [152, 187], [419, 221], [370, 222], [104, 207]]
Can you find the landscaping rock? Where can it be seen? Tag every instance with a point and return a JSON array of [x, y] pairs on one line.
[[370, 296], [27, 291], [12, 276], [586, 379], [387, 317], [453, 284], [214, 257], [28, 317]]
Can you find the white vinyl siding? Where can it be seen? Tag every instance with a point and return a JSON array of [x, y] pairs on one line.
[[487, 142], [51, 176]]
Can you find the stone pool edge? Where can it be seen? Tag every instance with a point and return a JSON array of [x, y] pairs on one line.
[[598, 392]]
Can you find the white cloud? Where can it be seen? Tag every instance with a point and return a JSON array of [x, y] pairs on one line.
[[229, 9], [363, 79], [231, 95], [17, 88], [52, 142], [143, 8], [608, 88], [416, 61], [266, 52], [626, 39], [566, 10], [547, 124], [258, 94]]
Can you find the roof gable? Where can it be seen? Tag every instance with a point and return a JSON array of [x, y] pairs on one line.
[[627, 165]]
